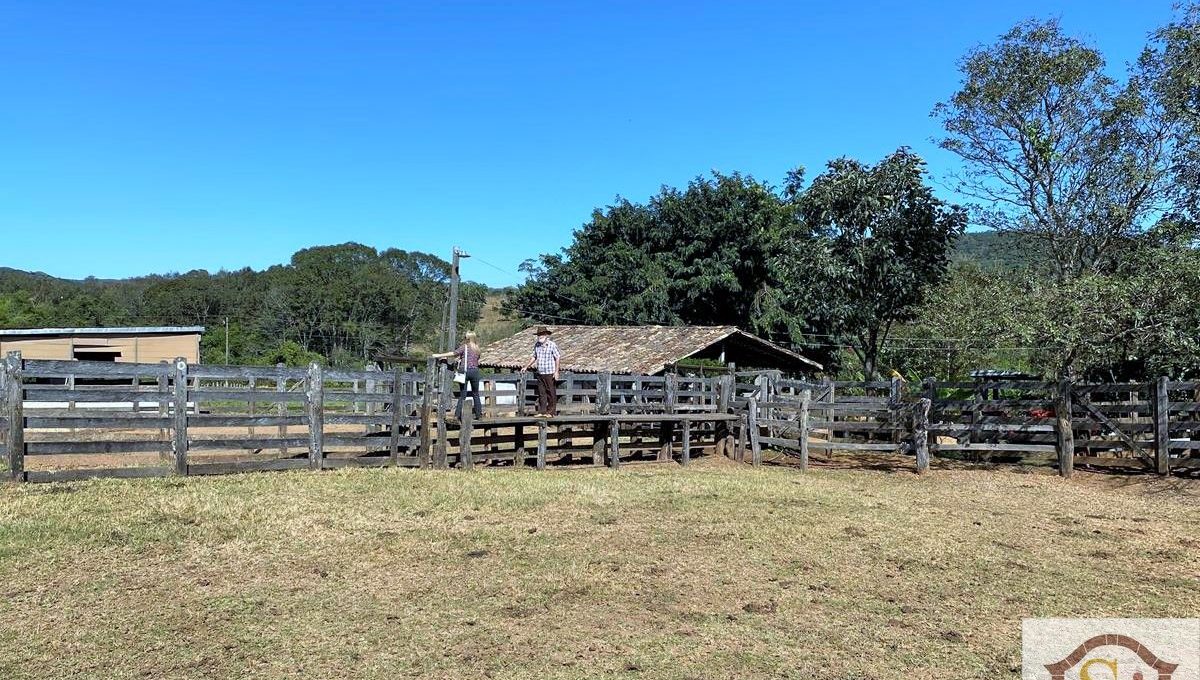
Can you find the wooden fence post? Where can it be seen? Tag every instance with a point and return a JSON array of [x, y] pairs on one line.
[[541, 445], [1064, 427], [686, 442], [1162, 427], [15, 406], [805, 403], [752, 424], [614, 438], [604, 392], [895, 419], [426, 452], [281, 408], [921, 434], [466, 427], [441, 453], [670, 392], [522, 392], [314, 398], [164, 407], [179, 403], [397, 404]]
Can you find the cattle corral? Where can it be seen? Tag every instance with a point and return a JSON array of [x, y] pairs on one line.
[[77, 419]]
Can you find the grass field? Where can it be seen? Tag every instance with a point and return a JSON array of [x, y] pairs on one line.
[[716, 571]]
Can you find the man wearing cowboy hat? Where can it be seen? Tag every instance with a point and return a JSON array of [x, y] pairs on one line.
[[545, 357]]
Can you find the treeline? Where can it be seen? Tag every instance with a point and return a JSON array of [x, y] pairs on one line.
[[343, 305], [1093, 181]]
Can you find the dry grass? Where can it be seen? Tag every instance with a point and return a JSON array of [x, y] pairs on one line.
[[715, 571]]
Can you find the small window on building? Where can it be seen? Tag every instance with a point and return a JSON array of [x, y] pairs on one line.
[[97, 354]]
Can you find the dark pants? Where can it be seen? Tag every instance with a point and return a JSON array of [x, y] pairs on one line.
[[547, 392], [473, 383]]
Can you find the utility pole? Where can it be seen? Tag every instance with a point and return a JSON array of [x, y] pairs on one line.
[[226, 341], [452, 332]]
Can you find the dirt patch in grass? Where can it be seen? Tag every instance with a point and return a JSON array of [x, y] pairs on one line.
[[716, 571]]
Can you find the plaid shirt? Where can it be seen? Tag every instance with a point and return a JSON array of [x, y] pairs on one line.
[[546, 354]]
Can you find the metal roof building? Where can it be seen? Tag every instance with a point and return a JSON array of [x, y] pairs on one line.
[[647, 350]]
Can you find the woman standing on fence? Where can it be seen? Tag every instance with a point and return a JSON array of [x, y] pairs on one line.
[[468, 372]]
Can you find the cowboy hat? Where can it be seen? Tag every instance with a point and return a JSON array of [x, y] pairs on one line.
[[543, 330]]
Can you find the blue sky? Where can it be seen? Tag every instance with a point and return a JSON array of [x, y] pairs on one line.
[[140, 137]]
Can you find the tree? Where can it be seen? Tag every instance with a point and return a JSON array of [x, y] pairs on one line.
[[867, 244], [1058, 150], [1170, 69], [693, 256], [966, 323]]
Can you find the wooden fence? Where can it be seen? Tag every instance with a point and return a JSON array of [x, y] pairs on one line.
[[143, 420], [1150, 426], [138, 420]]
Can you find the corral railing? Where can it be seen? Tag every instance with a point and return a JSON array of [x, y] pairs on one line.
[[1154, 426], [138, 420]]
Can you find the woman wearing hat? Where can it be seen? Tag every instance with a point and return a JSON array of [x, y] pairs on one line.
[[546, 358]]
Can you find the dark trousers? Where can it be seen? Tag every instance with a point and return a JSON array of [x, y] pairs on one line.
[[547, 392], [473, 383]]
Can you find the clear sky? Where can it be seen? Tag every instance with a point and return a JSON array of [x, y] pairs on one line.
[[159, 136]]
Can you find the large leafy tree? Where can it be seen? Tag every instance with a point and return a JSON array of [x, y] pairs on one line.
[[867, 244], [693, 256], [347, 303], [1056, 149]]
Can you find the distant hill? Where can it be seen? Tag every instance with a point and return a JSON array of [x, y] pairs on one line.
[[996, 250]]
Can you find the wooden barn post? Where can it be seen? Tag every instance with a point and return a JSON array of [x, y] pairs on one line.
[[1064, 428], [15, 407], [314, 402], [1162, 427]]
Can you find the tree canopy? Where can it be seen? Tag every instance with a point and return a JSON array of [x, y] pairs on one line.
[[345, 304]]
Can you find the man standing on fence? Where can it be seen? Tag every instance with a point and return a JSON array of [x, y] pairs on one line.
[[545, 357]]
